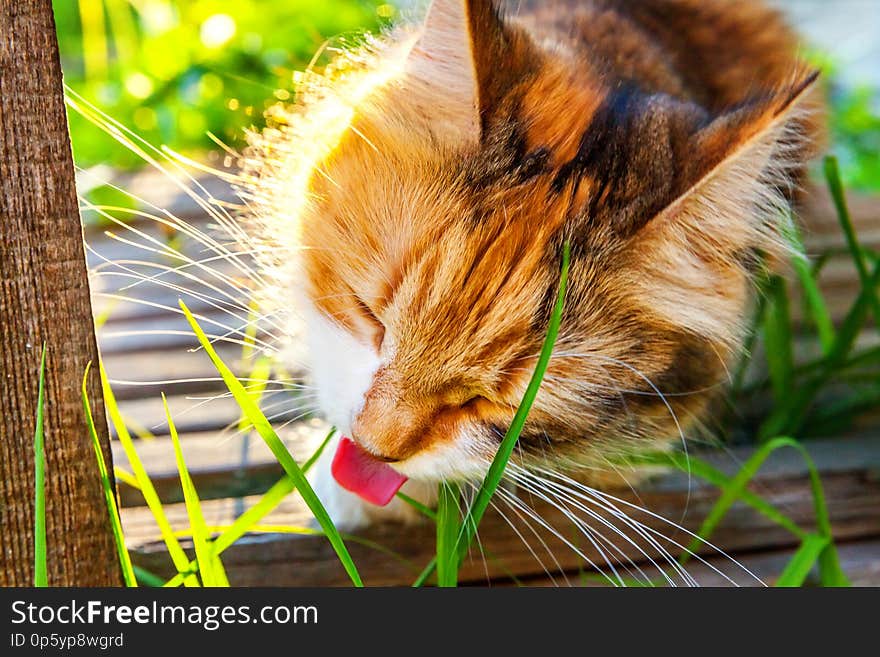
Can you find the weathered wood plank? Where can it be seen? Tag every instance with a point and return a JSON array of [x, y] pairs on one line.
[[221, 465], [821, 226], [143, 375], [154, 191], [169, 331], [206, 412], [850, 479]]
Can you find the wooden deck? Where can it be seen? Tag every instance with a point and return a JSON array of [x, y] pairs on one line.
[[146, 348]]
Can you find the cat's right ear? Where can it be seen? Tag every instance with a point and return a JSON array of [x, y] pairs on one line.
[[461, 66]]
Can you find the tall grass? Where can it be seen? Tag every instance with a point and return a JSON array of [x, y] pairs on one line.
[[264, 428], [109, 488], [797, 388], [817, 548], [210, 566], [41, 573]]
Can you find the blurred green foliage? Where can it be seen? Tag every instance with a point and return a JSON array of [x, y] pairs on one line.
[[174, 70], [855, 135], [853, 125]]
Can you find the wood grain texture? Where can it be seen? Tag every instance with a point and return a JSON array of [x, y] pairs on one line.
[[44, 298], [521, 546]]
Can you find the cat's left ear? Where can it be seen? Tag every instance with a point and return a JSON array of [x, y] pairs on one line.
[[460, 67], [730, 203], [746, 159]]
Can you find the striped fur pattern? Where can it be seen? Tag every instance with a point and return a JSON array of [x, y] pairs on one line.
[[414, 203]]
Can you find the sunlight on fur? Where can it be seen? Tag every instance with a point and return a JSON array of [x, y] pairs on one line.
[[407, 213]]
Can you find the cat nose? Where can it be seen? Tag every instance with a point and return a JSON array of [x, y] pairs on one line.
[[372, 452]]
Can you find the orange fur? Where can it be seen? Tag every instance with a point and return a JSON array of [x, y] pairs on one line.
[[433, 238]]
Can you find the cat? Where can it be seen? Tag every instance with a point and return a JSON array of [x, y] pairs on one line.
[[413, 204]]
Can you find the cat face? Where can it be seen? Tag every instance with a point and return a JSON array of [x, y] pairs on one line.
[[430, 244]]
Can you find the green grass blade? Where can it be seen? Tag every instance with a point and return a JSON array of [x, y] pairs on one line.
[[147, 578], [815, 305], [832, 175], [869, 357], [109, 491], [502, 456], [790, 415], [126, 477], [41, 570], [800, 565], [94, 39], [247, 520], [830, 572], [735, 488], [207, 560], [693, 466], [124, 30], [816, 308], [219, 570], [259, 376], [756, 322], [448, 519], [418, 506], [264, 428], [249, 340], [836, 416], [778, 338], [426, 573], [144, 483], [270, 500]]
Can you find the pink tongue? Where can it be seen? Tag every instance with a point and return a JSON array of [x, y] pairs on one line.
[[357, 471]]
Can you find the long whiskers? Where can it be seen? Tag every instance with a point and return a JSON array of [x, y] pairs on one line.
[[609, 503], [590, 532]]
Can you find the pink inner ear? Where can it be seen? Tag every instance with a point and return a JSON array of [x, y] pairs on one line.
[[359, 472]]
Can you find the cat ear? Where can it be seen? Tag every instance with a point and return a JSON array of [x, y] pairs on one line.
[[766, 136], [734, 198], [750, 151], [458, 68]]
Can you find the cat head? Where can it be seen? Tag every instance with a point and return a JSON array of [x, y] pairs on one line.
[[430, 187]]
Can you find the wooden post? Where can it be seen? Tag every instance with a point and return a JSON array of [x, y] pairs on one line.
[[44, 297]]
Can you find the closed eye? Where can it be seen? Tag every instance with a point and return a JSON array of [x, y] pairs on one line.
[[473, 401], [375, 324]]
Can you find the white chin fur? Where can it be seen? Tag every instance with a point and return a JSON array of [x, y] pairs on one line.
[[341, 367], [455, 459]]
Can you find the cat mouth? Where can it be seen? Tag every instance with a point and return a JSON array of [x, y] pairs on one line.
[[365, 475]]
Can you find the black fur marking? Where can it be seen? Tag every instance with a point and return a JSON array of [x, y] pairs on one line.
[[631, 155], [504, 158], [689, 370], [532, 165]]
